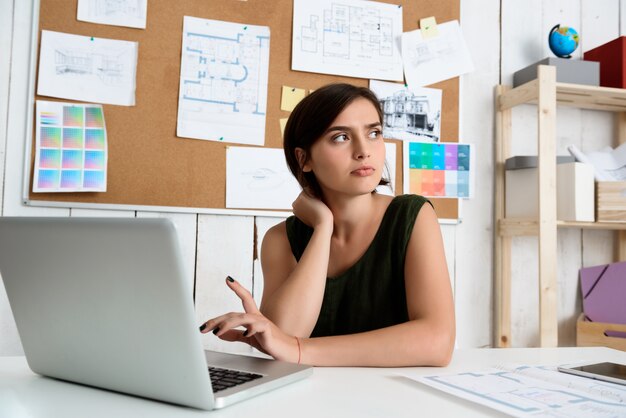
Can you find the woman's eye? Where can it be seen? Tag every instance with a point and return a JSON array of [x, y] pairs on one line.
[[374, 134], [340, 138]]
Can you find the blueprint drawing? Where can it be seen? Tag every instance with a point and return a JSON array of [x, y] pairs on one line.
[[354, 38], [223, 81], [534, 391]]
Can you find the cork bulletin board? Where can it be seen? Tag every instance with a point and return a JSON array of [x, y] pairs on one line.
[[148, 165]]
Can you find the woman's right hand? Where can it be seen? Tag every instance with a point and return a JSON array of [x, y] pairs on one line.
[[312, 211]]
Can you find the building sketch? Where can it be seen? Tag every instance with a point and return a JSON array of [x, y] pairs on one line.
[[109, 68], [127, 8], [129, 13], [87, 69], [223, 81], [407, 113], [349, 37]]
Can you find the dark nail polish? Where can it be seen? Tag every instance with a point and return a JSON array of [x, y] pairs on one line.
[[216, 330], [230, 279], [245, 333], [202, 327]]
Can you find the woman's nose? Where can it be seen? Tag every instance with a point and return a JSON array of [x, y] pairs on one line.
[[361, 149]]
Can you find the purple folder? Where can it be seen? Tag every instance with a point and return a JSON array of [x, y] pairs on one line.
[[604, 292]]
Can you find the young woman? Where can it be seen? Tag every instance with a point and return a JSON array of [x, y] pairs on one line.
[[355, 278]]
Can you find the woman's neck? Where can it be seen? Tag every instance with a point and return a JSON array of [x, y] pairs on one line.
[[351, 213]]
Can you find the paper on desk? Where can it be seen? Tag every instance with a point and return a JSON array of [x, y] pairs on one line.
[[430, 60], [355, 38], [223, 81], [532, 391], [258, 178], [608, 164], [130, 13], [87, 68]]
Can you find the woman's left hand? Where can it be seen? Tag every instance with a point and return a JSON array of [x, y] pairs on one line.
[[260, 333]]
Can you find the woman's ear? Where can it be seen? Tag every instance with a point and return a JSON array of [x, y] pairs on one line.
[[302, 160]]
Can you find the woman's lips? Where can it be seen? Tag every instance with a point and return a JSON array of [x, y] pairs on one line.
[[363, 171]]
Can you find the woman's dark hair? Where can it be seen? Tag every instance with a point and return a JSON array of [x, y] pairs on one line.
[[310, 119]]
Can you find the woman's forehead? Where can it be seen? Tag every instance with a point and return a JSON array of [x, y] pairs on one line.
[[359, 112]]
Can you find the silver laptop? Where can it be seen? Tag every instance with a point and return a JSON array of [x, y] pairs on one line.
[[104, 302]]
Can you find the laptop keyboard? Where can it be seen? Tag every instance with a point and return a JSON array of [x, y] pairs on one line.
[[225, 378]]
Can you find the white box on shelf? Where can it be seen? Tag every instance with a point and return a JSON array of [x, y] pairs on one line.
[[574, 184]]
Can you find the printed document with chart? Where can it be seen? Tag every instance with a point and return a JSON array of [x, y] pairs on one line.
[[533, 391]]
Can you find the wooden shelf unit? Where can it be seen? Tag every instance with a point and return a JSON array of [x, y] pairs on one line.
[[546, 93]]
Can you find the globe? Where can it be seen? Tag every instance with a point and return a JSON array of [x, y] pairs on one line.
[[563, 40]]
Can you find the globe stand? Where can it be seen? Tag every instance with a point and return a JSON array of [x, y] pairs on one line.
[[567, 71]]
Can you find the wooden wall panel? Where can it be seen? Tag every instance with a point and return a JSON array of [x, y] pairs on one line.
[[225, 247]]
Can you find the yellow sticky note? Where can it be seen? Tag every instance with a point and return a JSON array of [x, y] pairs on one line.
[[283, 122], [291, 97], [428, 25]]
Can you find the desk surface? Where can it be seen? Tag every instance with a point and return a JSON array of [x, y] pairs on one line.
[[333, 391]]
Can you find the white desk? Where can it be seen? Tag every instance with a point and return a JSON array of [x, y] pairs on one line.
[[330, 392]]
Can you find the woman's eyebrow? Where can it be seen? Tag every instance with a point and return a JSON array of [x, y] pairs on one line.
[[348, 128]]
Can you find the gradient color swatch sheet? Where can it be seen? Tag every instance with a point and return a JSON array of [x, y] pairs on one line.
[[71, 148], [438, 169]]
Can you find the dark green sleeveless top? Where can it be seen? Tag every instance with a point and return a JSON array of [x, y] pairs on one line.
[[370, 294]]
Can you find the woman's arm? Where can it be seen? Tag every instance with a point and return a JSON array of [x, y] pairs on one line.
[[293, 291]]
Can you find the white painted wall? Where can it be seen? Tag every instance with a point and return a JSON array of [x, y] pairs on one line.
[[503, 36]]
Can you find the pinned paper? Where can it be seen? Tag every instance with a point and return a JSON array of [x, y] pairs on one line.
[[409, 114], [283, 123], [86, 68], [71, 148], [222, 94], [438, 169], [353, 38], [429, 61], [428, 25], [130, 13], [259, 178], [291, 97]]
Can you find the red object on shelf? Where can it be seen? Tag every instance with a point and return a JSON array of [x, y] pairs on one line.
[[612, 59]]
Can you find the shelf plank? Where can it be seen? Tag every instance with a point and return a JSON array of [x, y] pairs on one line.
[[569, 95], [529, 227], [526, 93], [591, 97]]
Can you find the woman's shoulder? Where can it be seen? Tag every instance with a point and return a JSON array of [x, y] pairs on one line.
[[277, 231], [275, 239], [411, 203], [410, 199]]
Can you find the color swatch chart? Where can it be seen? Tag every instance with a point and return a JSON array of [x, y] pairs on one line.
[[71, 154], [438, 169]]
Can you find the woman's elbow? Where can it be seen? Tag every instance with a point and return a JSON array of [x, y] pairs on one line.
[[441, 348]]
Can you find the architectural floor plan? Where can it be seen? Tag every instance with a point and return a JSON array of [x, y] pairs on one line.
[[355, 38], [223, 81]]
